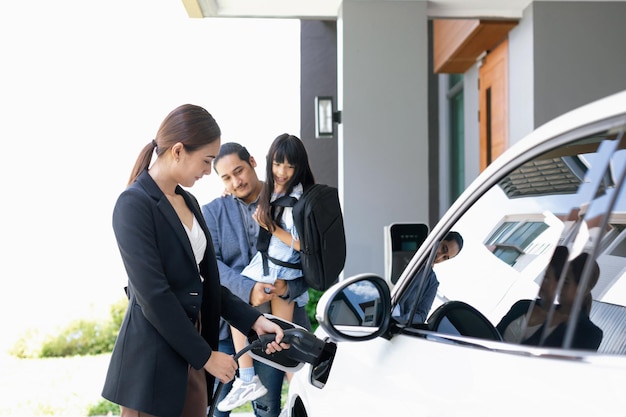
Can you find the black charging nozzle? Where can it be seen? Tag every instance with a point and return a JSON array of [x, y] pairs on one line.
[[304, 346]]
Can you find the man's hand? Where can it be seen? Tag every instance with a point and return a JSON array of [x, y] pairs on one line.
[[262, 293]]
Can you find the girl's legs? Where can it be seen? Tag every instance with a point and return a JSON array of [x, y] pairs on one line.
[[244, 361], [247, 386], [282, 308]]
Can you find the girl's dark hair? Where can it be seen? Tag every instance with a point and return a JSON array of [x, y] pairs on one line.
[[285, 148], [188, 124], [455, 236], [229, 149]]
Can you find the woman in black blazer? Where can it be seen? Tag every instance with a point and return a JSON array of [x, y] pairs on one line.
[[166, 355]]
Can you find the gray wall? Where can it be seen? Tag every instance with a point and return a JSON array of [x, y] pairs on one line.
[[318, 77], [579, 54], [521, 78], [472, 126], [434, 150], [383, 138]]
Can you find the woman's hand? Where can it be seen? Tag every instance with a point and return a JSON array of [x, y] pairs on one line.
[[264, 326], [222, 366]]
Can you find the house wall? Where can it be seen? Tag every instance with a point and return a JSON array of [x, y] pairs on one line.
[[579, 54], [521, 78], [561, 55], [472, 128]]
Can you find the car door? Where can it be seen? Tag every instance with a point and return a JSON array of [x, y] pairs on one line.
[[413, 376], [561, 187]]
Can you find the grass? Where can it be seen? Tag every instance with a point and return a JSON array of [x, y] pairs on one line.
[[57, 387], [65, 387]]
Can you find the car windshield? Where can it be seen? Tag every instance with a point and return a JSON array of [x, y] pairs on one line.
[[558, 219]]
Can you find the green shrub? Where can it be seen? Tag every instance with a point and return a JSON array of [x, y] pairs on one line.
[[28, 346], [81, 337], [314, 296], [117, 312], [103, 408], [86, 337]]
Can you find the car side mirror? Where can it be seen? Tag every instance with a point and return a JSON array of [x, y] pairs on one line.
[[357, 308]]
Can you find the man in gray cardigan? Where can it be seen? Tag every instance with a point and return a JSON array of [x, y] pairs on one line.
[[234, 233]]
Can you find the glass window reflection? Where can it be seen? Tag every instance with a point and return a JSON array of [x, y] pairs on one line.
[[570, 196], [359, 304]]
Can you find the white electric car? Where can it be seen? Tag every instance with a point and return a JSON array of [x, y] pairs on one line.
[[560, 186]]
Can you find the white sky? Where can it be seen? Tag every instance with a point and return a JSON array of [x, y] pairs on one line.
[[83, 87]]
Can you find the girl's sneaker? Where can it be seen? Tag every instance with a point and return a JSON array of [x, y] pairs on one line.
[[241, 393]]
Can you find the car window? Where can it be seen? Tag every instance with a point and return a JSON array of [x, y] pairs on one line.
[[569, 196]]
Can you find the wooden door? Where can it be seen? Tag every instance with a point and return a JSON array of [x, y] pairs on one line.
[[493, 116]]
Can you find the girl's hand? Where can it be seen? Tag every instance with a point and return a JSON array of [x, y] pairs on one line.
[[255, 216], [280, 287]]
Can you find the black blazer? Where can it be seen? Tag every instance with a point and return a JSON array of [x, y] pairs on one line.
[[158, 339], [587, 336]]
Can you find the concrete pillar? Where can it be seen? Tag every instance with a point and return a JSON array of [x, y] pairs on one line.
[[383, 137]]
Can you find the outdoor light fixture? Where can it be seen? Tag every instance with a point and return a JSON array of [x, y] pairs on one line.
[[324, 120]]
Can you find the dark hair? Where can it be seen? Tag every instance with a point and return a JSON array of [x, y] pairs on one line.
[[577, 266], [285, 148], [229, 149], [455, 236], [188, 124], [558, 260]]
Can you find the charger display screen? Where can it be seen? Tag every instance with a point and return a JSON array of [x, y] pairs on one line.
[[406, 238]]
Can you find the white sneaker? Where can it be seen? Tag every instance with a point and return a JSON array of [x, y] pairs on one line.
[[241, 393]]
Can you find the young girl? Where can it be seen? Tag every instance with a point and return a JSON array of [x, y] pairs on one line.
[[287, 174]]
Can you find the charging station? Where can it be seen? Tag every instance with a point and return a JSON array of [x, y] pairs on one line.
[[401, 242]]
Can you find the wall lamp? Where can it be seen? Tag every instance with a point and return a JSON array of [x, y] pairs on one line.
[[325, 117]]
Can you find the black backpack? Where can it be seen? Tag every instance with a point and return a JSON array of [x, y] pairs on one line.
[[319, 222]]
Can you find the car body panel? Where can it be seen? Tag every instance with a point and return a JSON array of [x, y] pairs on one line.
[[448, 380]]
